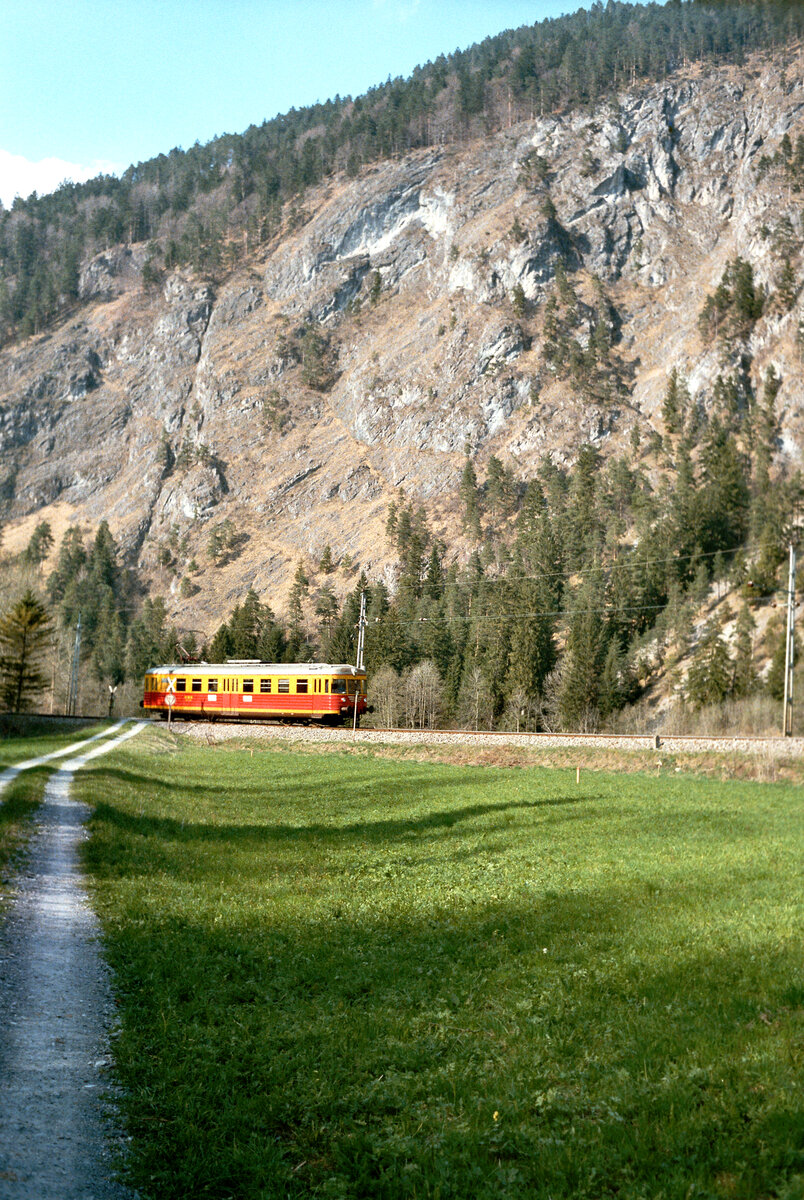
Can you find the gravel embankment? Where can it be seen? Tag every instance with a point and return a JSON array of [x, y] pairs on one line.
[[766, 747]]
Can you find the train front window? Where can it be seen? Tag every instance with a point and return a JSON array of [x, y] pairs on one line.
[[352, 686], [339, 686]]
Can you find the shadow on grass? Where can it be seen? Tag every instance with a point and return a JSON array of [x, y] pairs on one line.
[[349, 1035], [18, 802], [449, 1055], [18, 725], [167, 828]]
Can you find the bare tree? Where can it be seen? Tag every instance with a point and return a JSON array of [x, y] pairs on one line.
[[386, 696], [423, 692], [519, 709], [475, 701]]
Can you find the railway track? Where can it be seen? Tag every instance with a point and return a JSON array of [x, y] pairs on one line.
[[774, 747]]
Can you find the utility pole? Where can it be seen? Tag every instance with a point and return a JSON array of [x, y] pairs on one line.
[[361, 637], [361, 631], [72, 694], [790, 649]]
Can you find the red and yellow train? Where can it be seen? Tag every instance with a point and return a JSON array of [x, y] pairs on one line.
[[324, 692]]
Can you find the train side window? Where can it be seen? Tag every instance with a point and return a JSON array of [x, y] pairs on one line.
[[248, 685], [283, 685], [326, 685], [181, 685], [265, 686], [301, 686], [196, 685], [212, 685]]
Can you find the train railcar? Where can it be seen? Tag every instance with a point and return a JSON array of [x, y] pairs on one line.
[[247, 688]]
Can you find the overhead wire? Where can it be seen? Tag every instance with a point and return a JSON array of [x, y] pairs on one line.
[[617, 563]]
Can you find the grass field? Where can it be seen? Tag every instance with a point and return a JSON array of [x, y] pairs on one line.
[[346, 976], [23, 737]]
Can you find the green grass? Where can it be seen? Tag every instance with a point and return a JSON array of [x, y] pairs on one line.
[[350, 977], [18, 802], [24, 737]]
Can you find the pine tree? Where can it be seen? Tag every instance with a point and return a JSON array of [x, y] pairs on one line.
[[675, 401], [709, 678], [40, 544], [579, 696], [109, 650], [24, 633], [774, 680], [744, 678], [301, 586], [72, 556], [788, 288], [469, 498]]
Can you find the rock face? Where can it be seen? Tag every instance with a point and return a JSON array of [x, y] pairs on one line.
[[397, 322]]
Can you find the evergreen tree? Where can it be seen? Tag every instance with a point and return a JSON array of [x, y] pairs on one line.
[[468, 492], [744, 678], [675, 401], [579, 695], [150, 641], [40, 544], [72, 556], [774, 680], [301, 586], [709, 679], [109, 649], [24, 633]]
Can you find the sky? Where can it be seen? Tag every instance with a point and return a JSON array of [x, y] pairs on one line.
[[95, 85]]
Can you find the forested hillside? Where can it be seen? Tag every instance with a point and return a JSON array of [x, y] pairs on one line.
[[210, 205]]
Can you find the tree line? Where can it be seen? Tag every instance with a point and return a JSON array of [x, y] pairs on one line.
[[208, 206], [575, 587]]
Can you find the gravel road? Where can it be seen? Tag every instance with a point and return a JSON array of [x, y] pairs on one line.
[[55, 1015]]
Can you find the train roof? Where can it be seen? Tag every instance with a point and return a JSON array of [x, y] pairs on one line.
[[242, 666]]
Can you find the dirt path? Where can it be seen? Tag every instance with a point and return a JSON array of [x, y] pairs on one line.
[[13, 771], [55, 1015]]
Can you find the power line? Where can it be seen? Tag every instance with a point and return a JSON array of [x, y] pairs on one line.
[[617, 563]]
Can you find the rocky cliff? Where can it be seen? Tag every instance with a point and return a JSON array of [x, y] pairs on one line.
[[398, 320]]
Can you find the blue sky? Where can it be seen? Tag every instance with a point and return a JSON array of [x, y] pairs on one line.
[[95, 85]]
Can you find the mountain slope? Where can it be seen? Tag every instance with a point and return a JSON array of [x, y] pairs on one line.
[[404, 316]]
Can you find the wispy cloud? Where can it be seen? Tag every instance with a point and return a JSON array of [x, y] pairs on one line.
[[19, 176], [398, 10]]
